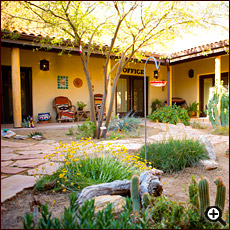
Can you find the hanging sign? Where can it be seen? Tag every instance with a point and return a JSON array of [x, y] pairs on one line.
[[134, 71]]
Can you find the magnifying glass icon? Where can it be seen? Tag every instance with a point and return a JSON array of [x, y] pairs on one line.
[[214, 214]]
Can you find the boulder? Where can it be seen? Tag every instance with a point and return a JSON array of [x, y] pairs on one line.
[[101, 202], [209, 164], [206, 142], [38, 137], [48, 142], [20, 137], [8, 134]]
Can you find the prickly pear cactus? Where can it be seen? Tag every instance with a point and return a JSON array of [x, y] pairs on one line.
[[221, 193], [135, 194], [204, 196], [213, 111]]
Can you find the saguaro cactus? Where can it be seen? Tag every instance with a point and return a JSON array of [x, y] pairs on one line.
[[203, 195], [193, 192], [135, 194], [220, 193]]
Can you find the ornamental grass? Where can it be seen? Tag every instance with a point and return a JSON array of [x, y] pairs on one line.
[[84, 163]]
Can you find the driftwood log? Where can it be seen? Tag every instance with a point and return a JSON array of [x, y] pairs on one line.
[[149, 182]]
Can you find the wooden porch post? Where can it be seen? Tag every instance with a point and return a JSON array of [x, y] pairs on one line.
[[169, 68], [16, 87], [218, 76], [109, 87]]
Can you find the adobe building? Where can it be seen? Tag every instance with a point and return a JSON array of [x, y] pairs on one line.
[[29, 88]]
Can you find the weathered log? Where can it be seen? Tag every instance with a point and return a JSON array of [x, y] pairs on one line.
[[149, 182], [117, 187]]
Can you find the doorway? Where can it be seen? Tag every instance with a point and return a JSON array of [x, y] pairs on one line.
[[26, 94], [207, 82], [130, 96]]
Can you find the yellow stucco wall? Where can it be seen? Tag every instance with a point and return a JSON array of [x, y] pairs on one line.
[[188, 88], [44, 83]]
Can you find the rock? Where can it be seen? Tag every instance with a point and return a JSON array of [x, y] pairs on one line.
[[209, 164], [149, 182], [180, 125], [8, 134], [101, 202], [205, 141], [37, 137], [48, 142], [20, 137]]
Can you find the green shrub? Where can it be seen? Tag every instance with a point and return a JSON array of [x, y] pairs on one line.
[[221, 130], [155, 104], [164, 214], [197, 125], [71, 131], [174, 155], [170, 114], [85, 172], [128, 124], [85, 130]]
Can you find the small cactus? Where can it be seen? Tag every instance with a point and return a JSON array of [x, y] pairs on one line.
[[221, 193], [135, 194], [193, 192], [204, 196], [146, 200]]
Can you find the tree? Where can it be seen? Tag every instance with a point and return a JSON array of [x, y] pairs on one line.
[[131, 26]]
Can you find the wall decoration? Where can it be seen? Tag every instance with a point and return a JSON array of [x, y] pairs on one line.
[[62, 82], [78, 82]]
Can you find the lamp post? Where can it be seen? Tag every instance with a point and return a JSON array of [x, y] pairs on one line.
[[145, 106]]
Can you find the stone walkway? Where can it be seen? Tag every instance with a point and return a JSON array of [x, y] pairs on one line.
[[20, 161]]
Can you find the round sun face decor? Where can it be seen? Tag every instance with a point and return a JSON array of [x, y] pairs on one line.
[[78, 82]]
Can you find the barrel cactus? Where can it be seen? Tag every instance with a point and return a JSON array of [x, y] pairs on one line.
[[220, 194]]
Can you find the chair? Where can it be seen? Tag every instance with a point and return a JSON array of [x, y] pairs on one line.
[[64, 109], [97, 103]]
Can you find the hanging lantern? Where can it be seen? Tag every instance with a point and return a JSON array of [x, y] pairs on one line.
[[158, 83]]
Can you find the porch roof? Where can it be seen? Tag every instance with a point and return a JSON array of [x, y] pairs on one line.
[[29, 39]]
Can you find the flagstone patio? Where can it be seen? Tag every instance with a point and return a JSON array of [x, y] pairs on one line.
[[20, 161]]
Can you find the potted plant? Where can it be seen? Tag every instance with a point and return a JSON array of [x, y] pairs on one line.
[[193, 110], [81, 105]]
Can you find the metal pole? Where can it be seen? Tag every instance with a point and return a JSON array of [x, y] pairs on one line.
[[145, 96]]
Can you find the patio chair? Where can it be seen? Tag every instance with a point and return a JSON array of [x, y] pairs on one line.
[[97, 102], [64, 109]]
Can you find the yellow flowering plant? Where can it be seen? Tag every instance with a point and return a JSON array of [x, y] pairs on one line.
[[85, 163]]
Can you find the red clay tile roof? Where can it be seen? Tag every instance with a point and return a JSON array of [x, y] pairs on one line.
[[189, 53]]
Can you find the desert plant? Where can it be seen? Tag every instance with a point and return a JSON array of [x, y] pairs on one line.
[[35, 133], [170, 114], [215, 118], [220, 194], [192, 109], [71, 131], [127, 123], [85, 130], [146, 200], [197, 125], [221, 130], [194, 192], [174, 155], [155, 105], [203, 196], [135, 193]]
